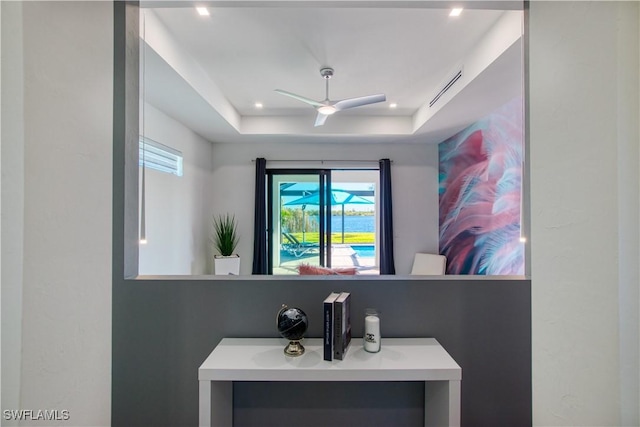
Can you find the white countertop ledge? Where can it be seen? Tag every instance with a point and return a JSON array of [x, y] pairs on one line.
[[262, 359]]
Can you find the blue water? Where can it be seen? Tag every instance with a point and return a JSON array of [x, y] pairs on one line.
[[353, 224], [365, 251]]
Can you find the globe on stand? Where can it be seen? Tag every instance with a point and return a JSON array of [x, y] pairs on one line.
[[292, 324]]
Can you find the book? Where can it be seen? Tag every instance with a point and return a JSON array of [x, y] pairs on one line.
[[327, 339], [342, 325]]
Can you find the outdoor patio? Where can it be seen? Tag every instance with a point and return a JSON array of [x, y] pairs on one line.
[[341, 256]]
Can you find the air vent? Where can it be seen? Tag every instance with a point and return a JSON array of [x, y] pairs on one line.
[[450, 82], [160, 157]]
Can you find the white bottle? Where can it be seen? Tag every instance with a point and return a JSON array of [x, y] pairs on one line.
[[371, 331]]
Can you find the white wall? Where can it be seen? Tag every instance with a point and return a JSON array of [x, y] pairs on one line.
[[67, 232], [583, 111], [414, 180], [12, 204], [178, 209]]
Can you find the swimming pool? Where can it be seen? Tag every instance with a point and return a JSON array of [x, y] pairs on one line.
[[365, 251]]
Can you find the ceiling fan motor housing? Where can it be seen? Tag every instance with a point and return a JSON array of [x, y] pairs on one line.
[[326, 72]]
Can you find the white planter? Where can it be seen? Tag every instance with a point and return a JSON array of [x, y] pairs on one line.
[[225, 265]]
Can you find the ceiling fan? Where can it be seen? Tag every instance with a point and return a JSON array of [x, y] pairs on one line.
[[327, 107]]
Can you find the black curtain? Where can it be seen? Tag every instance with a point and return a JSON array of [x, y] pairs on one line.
[[387, 263], [260, 220]]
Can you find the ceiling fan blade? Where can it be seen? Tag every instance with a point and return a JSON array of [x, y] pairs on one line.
[[358, 102], [320, 119], [299, 98]]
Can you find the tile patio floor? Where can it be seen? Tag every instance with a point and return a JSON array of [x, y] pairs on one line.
[[341, 256]]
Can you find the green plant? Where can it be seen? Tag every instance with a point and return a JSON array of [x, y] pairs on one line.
[[225, 237]]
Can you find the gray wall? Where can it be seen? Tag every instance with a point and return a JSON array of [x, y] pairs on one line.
[[164, 329]]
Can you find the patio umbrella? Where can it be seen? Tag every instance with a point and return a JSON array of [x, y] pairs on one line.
[[338, 197]]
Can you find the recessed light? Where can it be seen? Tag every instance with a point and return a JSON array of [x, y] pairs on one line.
[[456, 11], [258, 105], [523, 239], [202, 11], [393, 105]]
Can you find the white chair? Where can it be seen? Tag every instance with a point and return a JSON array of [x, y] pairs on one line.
[[429, 264]]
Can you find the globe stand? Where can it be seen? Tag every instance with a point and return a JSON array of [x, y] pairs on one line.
[[294, 349], [292, 324]]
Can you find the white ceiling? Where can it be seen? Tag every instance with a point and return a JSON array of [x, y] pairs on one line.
[[208, 72]]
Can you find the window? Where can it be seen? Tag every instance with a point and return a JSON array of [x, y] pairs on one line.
[[159, 157]]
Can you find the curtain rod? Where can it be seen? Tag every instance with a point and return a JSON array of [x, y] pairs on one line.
[[322, 161]]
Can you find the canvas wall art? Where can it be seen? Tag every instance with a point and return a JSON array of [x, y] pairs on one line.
[[480, 191]]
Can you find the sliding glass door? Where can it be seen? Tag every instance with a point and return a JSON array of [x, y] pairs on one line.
[[354, 219], [298, 218], [322, 218]]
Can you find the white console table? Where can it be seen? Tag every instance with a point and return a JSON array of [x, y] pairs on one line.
[[262, 359]]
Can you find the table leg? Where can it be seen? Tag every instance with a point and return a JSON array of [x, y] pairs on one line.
[[204, 405], [216, 404], [442, 403]]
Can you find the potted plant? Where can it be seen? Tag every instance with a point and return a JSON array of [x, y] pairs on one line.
[[225, 240]]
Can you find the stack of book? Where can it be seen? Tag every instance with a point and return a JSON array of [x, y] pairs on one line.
[[337, 325]]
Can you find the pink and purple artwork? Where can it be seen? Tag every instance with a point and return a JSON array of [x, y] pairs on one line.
[[480, 189]]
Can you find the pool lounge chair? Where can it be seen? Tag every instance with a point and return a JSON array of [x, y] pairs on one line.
[[296, 248]]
